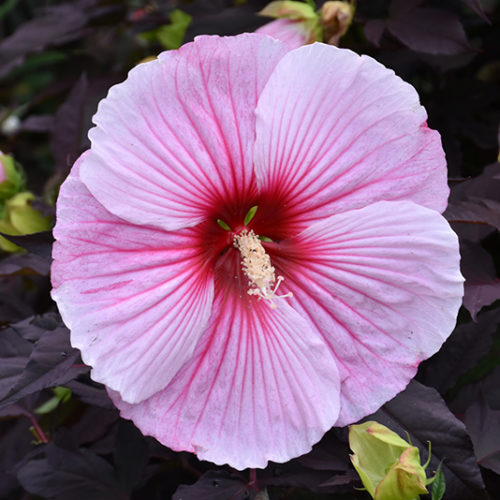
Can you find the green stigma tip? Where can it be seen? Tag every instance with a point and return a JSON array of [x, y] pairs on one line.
[[223, 225], [265, 238], [250, 215]]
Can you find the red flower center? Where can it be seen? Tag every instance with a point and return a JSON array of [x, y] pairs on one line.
[[271, 222]]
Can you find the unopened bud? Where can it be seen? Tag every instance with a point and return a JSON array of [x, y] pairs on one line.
[[296, 24], [336, 17], [388, 466]]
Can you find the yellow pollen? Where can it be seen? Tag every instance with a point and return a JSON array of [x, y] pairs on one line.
[[257, 268]]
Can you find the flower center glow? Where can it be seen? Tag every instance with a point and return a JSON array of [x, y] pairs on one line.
[[257, 267]]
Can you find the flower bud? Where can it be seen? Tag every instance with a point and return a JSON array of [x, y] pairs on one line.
[[388, 466], [336, 17], [296, 24]]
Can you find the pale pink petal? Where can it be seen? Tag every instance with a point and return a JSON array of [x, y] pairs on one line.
[[382, 284], [262, 386], [337, 131], [176, 137], [135, 299], [293, 34]]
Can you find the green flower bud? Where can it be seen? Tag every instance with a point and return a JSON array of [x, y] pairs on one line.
[[388, 466], [297, 11]]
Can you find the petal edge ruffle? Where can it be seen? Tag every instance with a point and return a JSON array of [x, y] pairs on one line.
[[347, 133], [257, 389], [177, 136], [135, 299], [382, 284]]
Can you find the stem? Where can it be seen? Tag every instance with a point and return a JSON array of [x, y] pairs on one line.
[[253, 479], [41, 434]]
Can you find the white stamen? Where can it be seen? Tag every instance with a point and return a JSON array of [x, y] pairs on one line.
[[257, 268]]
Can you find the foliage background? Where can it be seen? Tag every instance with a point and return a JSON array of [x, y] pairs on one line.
[[57, 60]]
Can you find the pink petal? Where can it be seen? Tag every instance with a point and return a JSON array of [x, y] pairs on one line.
[[345, 133], [177, 136], [383, 286], [135, 299], [293, 34], [262, 386]]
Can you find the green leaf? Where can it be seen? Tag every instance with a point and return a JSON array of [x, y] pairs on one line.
[[36, 62], [172, 35], [7, 7], [438, 486], [61, 395], [48, 407], [14, 177]]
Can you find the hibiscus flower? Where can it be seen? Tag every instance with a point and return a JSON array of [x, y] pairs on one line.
[[252, 250]]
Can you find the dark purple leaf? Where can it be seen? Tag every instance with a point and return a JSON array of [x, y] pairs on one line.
[[421, 412], [483, 424], [46, 209], [401, 7], [346, 479], [325, 469], [70, 475], [478, 295], [94, 424], [130, 454], [429, 30], [216, 485], [330, 454], [48, 363], [14, 410], [68, 123], [91, 393], [38, 123], [374, 29], [16, 303], [477, 200], [490, 386], [478, 8], [57, 25], [15, 443], [230, 21], [475, 211], [445, 63], [26, 263], [14, 353], [487, 388], [37, 243], [294, 474], [482, 287], [486, 185], [466, 346], [105, 445]]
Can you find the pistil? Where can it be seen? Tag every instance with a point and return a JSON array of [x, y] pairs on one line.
[[257, 267]]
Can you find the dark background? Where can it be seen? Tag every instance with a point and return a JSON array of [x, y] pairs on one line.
[[57, 60]]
